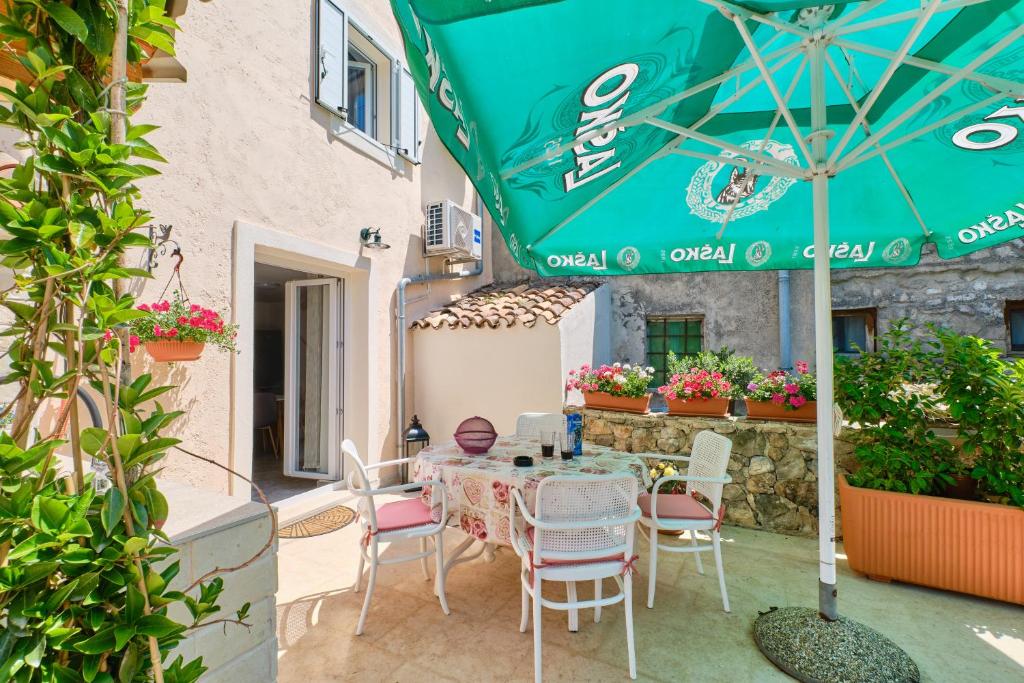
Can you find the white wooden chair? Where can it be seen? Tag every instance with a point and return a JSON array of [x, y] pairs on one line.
[[706, 475], [533, 424], [583, 530], [405, 519]]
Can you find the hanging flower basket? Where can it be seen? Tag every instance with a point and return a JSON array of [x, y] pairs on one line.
[[700, 407], [174, 351]]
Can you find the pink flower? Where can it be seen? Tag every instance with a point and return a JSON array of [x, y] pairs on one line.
[[157, 332], [801, 366], [133, 343], [173, 332], [791, 388], [778, 399], [797, 401], [144, 307], [108, 335]]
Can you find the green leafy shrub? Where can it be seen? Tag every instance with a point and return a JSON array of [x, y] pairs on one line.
[[739, 371]]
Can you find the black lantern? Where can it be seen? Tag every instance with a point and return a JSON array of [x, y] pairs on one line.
[[416, 439]]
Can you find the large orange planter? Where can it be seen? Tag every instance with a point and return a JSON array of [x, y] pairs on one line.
[[709, 407], [956, 545], [766, 410], [605, 401]]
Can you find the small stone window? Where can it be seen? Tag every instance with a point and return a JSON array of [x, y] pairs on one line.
[[1015, 326], [681, 335], [853, 331]]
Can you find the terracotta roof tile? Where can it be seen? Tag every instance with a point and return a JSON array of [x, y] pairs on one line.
[[497, 306]]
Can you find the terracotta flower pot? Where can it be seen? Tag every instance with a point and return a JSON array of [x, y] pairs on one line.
[[766, 410], [711, 407], [173, 351], [955, 545], [625, 404]]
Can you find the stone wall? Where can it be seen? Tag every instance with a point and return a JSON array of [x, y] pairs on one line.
[[773, 464]]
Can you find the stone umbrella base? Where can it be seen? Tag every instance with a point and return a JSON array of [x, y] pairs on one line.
[[811, 649]]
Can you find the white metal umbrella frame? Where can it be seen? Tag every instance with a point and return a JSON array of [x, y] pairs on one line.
[[819, 166]]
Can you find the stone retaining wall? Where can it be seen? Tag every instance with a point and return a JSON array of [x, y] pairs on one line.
[[773, 464]]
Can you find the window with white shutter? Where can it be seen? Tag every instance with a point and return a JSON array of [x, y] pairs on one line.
[[408, 139], [360, 82], [331, 66]]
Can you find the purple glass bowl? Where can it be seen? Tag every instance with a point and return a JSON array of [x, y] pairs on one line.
[[475, 435]]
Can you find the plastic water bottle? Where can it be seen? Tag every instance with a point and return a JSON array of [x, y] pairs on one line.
[[574, 425], [101, 476]]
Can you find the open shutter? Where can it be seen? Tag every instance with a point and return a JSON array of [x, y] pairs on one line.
[[408, 139], [332, 58]]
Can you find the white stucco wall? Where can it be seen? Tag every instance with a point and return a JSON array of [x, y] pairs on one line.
[[494, 373], [246, 145]]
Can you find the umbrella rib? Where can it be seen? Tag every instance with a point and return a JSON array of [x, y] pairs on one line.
[[741, 162], [670, 146], [846, 164], [883, 80], [730, 11], [938, 67], [885, 157], [767, 136], [642, 115], [853, 14], [770, 162], [935, 93], [950, 5]]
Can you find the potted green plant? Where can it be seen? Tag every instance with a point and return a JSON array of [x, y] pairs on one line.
[[178, 330], [621, 386], [898, 521], [697, 392], [779, 395]]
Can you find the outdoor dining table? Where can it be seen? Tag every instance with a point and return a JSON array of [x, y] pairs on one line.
[[478, 486]]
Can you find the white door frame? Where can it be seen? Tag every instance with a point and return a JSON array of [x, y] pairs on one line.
[[330, 352], [254, 243]]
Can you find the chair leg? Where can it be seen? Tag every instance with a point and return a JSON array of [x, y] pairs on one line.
[[525, 618], [696, 556], [423, 560], [598, 584], [716, 541], [574, 613], [359, 574], [653, 569], [537, 669], [627, 590], [439, 579], [273, 442], [369, 587]]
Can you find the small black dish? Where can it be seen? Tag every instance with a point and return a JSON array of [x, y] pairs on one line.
[[522, 461]]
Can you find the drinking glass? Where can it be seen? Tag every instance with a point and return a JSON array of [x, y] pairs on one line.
[[568, 445], [547, 444]]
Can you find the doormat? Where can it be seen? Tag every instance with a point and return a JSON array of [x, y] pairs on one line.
[[324, 522]]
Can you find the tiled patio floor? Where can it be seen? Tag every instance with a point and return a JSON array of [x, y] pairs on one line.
[[685, 637]]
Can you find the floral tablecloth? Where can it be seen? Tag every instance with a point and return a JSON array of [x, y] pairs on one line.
[[478, 485]]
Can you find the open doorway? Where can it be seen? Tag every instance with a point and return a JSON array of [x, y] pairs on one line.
[[297, 373]]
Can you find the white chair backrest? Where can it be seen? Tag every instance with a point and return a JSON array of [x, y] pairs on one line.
[[709, 458], [359, 481], [591, 507], [532, 424]]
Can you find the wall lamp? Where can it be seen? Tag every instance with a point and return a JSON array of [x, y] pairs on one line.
[[370, 238]]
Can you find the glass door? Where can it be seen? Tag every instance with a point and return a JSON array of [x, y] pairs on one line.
[[312, 378]]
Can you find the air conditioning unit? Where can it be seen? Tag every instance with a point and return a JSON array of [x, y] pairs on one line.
[[450, 230]]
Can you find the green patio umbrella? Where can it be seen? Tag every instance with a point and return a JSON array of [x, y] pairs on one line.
[[660, 136]]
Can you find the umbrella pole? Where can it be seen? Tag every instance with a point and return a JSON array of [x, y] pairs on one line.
[[827, 606], [808, 644]]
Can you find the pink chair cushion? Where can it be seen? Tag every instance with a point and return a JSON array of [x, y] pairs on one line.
[[674, 506], [610, 558], [403, 514]]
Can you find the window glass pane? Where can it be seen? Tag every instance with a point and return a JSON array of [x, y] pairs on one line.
[[1017, 330], [655, 328], [693, 345], [676, 327], [693, 327], [360, 91], [676, 345], [656, 345], [850, 333]]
